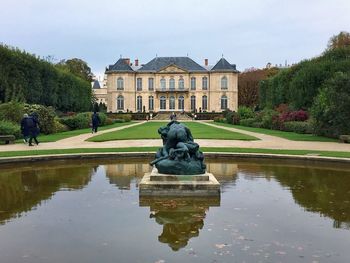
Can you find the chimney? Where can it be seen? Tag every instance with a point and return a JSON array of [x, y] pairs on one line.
[[206, 62], [136, 62], [127, 61]]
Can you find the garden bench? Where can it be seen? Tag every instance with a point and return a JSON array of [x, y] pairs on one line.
[[344, 138], [8, 139]]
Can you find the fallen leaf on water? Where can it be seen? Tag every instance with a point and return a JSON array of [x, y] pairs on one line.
[[160, 261]]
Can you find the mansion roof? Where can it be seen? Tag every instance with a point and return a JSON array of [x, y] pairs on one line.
[[159, 63]]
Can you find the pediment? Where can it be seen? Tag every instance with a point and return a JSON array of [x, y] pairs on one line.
[[172, 69]]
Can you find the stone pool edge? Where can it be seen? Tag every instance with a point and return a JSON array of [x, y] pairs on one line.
[[139, 155]]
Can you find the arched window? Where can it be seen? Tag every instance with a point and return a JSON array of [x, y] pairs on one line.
[[162, 103], [181, 83], [172, 84], [120, 102], [120, 84], [224, 102], [150, 103], [181, 105], [204, 83], [172, 103], [139, 103], [193, 83], [139, 84], [204, 103], [193, 103], [224, 82], [162, 84]]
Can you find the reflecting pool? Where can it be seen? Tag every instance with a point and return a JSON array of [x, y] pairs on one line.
[[269, 211]]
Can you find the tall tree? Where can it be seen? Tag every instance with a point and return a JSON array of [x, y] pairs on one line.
[[339, 41], [78, 67]]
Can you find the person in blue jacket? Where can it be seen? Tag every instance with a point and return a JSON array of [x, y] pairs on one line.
[[25, 127], [33, 124], [95, 120]]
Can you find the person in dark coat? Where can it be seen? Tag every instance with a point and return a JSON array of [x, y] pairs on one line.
[[24, 127], [95, 120], [33, 129]]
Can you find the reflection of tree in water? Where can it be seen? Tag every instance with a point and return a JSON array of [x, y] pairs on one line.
[[123, 173], [318, 189], [23, 190], [182, 218]]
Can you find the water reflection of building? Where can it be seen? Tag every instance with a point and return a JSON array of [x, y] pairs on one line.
[[181, 218], [22, 190], [224, 172], [123, 173]]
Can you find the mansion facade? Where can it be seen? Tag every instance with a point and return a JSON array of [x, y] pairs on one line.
[[170, 84]]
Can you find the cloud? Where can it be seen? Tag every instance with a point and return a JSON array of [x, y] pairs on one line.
[[248, 33]]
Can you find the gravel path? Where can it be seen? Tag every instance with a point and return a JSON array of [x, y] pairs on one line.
[[266, 142]]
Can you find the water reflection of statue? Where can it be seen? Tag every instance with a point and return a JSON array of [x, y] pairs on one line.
[[179, 154], [182, 218]]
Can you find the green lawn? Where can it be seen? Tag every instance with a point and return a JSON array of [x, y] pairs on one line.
[[153, 149], [149, 130], [286, 135], [63, 135]]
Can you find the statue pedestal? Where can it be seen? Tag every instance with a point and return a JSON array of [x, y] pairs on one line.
[[157, 184]]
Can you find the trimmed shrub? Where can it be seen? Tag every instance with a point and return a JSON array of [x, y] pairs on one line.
[[247, 122], [257, 124], [11, 111], [59, 127], [245, 113], [270, 120], [219, 119], [9, 128], [331, 110], [103, 118], [109, 121], [79, 121], [119, 121], [298, 127]]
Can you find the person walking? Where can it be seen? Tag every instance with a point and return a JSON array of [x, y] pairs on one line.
[[33, 124], [24, 127], [95, 120]]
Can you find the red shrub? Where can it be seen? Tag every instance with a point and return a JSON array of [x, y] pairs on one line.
[[299, 115]]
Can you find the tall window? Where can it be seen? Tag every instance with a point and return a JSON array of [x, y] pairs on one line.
[[172, 84], [150, 84], [139, 103], [224, 82], [120, 102], [120, 84], [172, 103], [181, 83], [204, 83], [181, 105], [193, 83], [224, 102], [150, 103], [162, 103], [139, 84], [204, 103], [162, 84], [193, 103]]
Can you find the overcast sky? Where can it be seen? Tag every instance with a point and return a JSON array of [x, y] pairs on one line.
[[248, 33]]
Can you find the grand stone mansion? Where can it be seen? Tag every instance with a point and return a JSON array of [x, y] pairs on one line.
[[169, 84]]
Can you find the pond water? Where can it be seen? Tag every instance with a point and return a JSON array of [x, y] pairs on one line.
[[91, 212]]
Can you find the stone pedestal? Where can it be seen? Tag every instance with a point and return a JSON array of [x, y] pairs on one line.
[[157, 184]]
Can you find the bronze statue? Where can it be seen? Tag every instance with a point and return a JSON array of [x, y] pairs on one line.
[[179, 155]]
